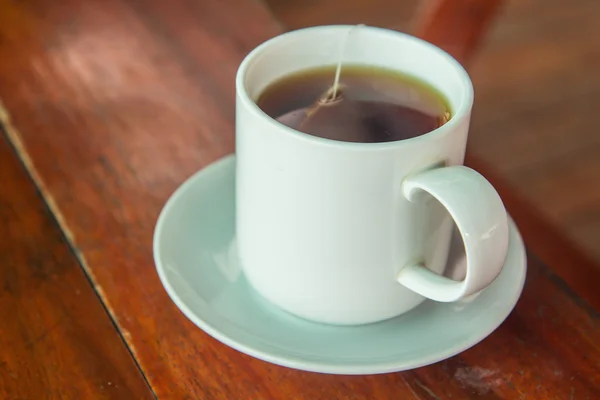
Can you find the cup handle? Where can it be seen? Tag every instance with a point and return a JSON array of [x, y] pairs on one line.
[[482, 221]]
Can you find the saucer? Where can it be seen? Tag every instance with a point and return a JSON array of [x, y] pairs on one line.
[[195, 255]]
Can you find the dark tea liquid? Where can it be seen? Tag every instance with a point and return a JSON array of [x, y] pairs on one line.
[[375, 105]]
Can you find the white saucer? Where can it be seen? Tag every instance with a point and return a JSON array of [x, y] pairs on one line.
[[194, 251]]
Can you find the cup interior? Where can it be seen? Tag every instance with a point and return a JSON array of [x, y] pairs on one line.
[[320, 46]]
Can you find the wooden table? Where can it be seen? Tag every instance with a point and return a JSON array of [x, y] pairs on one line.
[[108, 105]]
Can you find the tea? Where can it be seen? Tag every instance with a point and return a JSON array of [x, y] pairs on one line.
[[372, 104]]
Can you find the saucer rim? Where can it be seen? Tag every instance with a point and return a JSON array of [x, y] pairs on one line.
[[320, 366]]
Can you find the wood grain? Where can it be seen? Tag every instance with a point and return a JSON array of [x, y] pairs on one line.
[[57, 340], [116, 102], [457, 26], [385, 13]]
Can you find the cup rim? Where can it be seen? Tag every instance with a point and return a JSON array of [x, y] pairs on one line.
[[461, 112]]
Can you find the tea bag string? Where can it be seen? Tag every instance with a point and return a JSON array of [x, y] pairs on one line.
[[336, 80], [331, 95]]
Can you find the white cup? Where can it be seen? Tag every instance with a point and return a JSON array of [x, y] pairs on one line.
[[353, 233]]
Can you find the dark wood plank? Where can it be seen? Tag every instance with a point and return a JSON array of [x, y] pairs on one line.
[[297, 14], [583, 227], [57, 340], [116, 102], [457, 26]]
